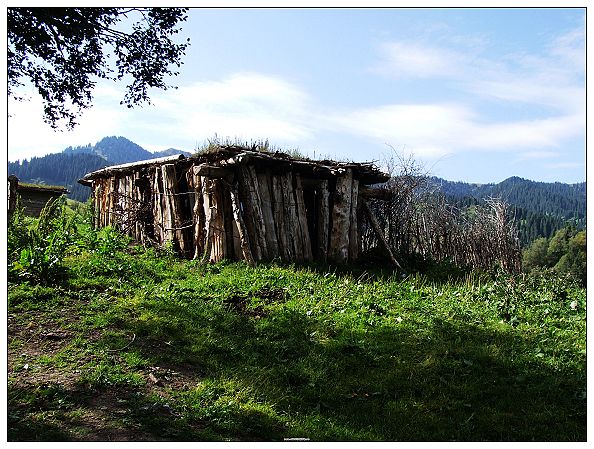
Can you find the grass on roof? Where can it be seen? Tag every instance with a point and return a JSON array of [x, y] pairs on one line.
[[41, 186]]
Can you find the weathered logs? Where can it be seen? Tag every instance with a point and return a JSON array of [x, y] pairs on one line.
[[252, 210], [302, 231], [244, 239], [323, 214], [264, 186], [354, 241], [216, 238], [341, 216], [283, 232], [290, 216]]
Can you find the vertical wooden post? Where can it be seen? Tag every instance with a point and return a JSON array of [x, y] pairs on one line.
[[264, 185], [198, 211], [252, 210], [171, 220], [13, 183], [303, 231], [244, 239], [157, 205], [354, 242], [341, 215], [97, 189], [323, 220], [285, 246], [215, 246], [290, 216]]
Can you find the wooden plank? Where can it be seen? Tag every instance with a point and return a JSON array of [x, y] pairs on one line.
[[282, 231], [264, 186], [376, 193], [303, 230], [212, 171], [354, 241], [199, 217], [216, 239], [341, 215], [290, 216], [252, 212], [157, 205], [240, 226], [209, 218], [219, 233], [170, 209], [98, 205], [323, 213]]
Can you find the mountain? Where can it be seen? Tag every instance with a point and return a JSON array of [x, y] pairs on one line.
[[170, 152], [67, 167], [119, 150], [540, 208]]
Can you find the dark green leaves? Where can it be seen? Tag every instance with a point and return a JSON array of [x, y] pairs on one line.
[[64, 51]]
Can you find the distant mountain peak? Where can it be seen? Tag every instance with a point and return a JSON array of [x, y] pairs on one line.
[[171, 152]]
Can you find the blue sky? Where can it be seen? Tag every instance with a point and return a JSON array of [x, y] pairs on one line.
[[476, 95]]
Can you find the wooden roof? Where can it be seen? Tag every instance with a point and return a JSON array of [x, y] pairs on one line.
[[229, 155], [58, 190]]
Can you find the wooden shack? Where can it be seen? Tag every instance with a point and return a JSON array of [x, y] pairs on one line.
[[33, 197], [238, 202]]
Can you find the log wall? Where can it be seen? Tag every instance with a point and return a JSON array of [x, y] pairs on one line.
[[239, 212]]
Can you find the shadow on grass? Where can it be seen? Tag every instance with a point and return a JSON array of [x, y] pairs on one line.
[[454, 381], [286, 374]]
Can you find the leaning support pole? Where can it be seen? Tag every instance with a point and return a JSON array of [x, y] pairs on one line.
[[378, 230]]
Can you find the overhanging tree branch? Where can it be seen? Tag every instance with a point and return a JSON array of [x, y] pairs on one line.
[[62, 51]]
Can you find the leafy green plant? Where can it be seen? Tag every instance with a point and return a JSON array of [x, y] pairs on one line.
[[36, 251]]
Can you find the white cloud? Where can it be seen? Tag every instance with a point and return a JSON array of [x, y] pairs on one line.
[[246, 105], [29, 136], [554, 79], [565, 165], [547, 89], [435, 130], [410, 59], [535, 155]]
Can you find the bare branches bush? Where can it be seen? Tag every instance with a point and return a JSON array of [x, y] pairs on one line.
[[419, 223]]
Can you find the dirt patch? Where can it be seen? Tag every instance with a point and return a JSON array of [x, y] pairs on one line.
[[48, 402], [240, 302]]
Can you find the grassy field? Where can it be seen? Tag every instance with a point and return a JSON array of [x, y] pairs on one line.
[[129, 344]]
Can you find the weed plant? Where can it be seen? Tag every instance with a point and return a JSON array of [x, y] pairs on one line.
[[135, 344]]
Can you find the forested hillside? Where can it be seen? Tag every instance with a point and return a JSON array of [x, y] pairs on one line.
[[67, 167], [540, 208]]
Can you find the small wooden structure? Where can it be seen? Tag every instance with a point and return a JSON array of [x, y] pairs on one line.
[[236, 202], [34, 197]]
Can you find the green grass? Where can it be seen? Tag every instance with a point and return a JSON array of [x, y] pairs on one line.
[[277, 352]]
